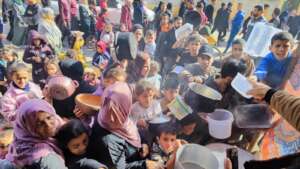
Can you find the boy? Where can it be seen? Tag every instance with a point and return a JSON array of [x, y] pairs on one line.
[[170, 91], [273, 67], [237, 52], [101, 58], [203, 69], [150, 45], [166, 145]]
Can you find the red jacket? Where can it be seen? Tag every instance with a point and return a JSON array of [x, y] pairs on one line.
[[100, 24], [126, 17]]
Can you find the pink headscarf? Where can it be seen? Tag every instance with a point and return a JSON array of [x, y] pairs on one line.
[[114, 113], [27, 145]]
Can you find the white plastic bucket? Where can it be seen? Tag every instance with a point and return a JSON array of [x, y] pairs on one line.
[[194, 156], [220, 123]]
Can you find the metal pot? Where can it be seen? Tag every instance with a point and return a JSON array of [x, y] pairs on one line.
[[61, 87]]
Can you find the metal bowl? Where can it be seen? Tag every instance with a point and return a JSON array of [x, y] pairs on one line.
[[205, 91]]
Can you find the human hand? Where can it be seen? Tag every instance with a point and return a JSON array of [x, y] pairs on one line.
[[154, 164], [144, 151], [227, 164], [259, 90], [179, 143], [78, 113], [142, 123], [37, 59]]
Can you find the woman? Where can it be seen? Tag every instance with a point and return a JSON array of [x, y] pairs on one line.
[[49, 29], [33, 145], [19, 25], [115, 137], [126, 18], [139, 68]]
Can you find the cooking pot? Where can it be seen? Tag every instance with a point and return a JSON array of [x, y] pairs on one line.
[[88, 103], [61, 87], [201, 98]]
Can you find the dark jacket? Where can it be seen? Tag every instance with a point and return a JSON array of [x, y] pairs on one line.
[[43, 51], [31, 15], [74, 70], [86, 21], [165, 42], [209, 12], [139, 14]]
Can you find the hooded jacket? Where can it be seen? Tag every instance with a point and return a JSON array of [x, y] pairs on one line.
[[43, 51]]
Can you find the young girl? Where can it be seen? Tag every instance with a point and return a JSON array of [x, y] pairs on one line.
[[73, 138], [108, 36], [52, 68], [19, 91], [154, 77], [146, 108], [6, 138], [150, 45], [91, 75], [101, 58]]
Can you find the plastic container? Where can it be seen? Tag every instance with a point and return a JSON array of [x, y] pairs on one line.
[[242, 85], [220, 123], [253, 116], [260, 39], [179, 108], [193, 156]]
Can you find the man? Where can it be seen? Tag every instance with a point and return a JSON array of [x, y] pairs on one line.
[[257, 16], [221, 21], [237, 23], [209, 11], [275, 21]]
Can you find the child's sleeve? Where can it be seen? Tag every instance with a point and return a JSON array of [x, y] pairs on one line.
[[263, 64], [88, 164]]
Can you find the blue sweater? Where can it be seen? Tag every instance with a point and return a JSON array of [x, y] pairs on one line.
[[238, 20], [275, 69]]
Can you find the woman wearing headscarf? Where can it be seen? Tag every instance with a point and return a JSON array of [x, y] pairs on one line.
[[139, 68], [115, 136], [19, 26], [33, 145], [49, 29]]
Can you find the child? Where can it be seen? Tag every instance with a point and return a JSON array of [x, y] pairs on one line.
[[52, 68], [164, 23], [166, 145], [150, 45], [19, 91], [100, 23], [275, 64], [37, 53], [6, 138], [91, 75], [154, 77], [108, 36], [170, 91], [73, 139], [109, 77], [237, 52], [101, 58], [146, 108]]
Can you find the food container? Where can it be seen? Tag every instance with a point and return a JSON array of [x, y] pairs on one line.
[[253, 116], [201, 98], [194, 156], [220, 123], [61, 87], [88, 103]]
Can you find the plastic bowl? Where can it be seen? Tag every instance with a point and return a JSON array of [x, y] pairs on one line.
[[88, 103]]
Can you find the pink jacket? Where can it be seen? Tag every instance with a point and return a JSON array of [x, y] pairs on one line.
[[126, 17], [14, 97], [65, 10]]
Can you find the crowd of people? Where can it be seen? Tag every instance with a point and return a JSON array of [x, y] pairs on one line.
[[139, 67]]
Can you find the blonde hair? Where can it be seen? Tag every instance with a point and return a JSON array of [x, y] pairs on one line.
[[92, 70], [16, 67], [116, 73]]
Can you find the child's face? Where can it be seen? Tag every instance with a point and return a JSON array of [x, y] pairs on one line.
[[36, 42], [205, 62], [194, 47], [165, 19], [108, 81], [170, 94], [99, 50], [146, 98], [108, 28], [150, 38], [237, 51], [45, 125], [21, 78], [51, 69], [280, 49], [77, 146], [188, 129], [138, 34], [3, 150], [90, 76], [167, 142]]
